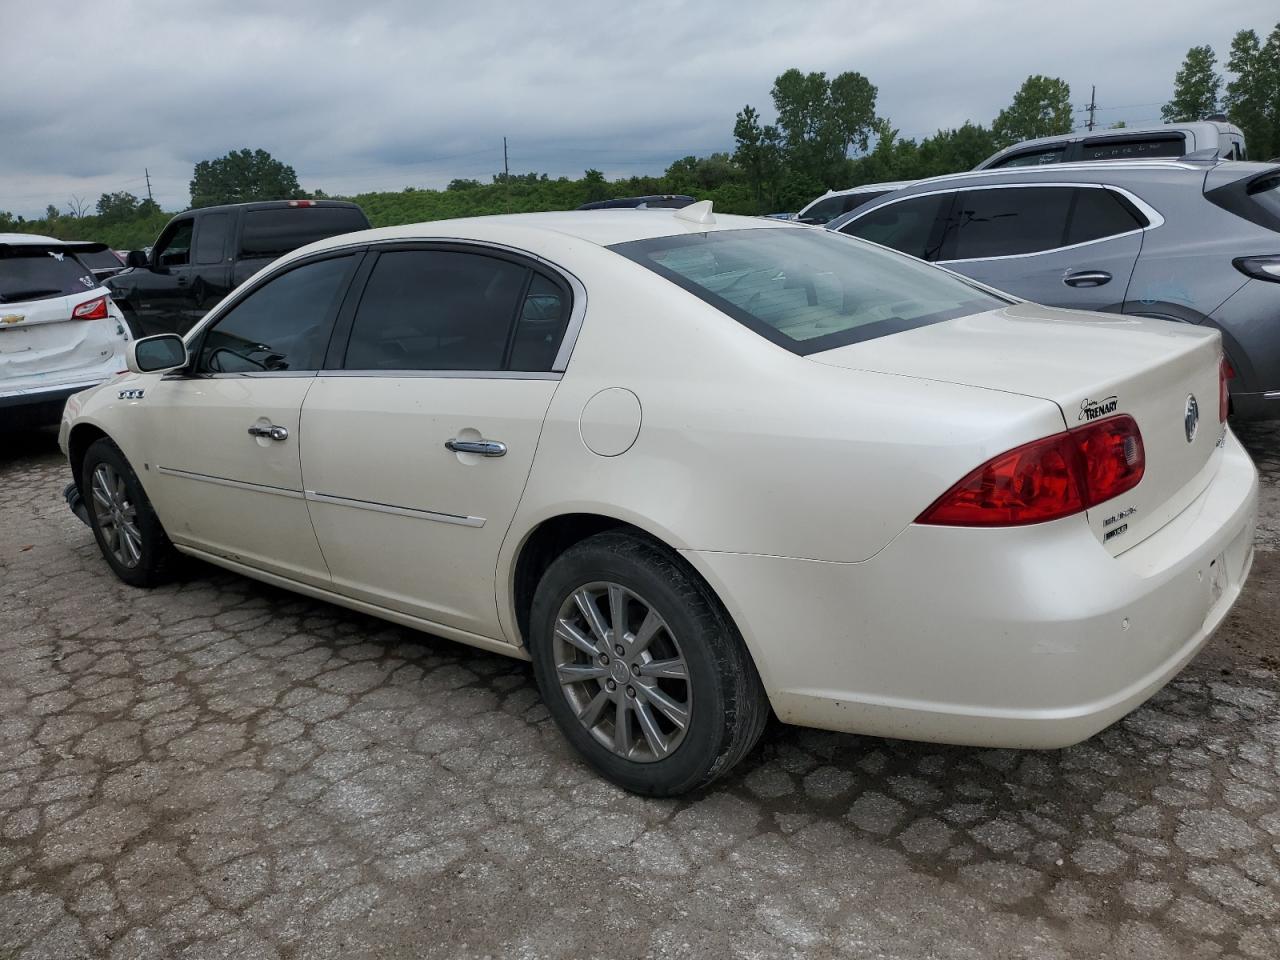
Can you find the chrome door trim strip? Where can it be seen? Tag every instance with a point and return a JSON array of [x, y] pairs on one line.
[[376, 507], [224, 482], [446, 374]]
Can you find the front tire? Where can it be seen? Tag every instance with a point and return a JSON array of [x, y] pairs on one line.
[[128, 532], [641, 667]]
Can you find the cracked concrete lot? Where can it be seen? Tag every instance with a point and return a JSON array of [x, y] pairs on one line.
[[219, 769]]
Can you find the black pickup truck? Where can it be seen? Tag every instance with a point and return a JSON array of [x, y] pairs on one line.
[[203, 254]]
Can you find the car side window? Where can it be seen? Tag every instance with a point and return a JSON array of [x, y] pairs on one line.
[[543, 316], [1099, 213], [174, 249], [284, 324], [212, 238], [452, 310], [1005, 222], [907, 225], [1033, 158]]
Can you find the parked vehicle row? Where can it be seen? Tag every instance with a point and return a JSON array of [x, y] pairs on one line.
[[59, 330], [697, 468], [1193, 242]]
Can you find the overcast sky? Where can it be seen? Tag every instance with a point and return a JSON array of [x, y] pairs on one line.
[[375, 95]]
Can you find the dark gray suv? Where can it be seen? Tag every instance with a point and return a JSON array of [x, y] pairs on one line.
[[1191, 241]]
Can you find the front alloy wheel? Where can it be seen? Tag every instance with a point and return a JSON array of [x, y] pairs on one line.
[[116, 515], [623, 672]]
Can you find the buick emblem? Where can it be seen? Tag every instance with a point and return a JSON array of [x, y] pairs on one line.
[[1191, 421]]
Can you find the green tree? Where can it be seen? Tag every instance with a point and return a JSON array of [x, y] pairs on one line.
[[242, 176], [459, 184], [117, 207], [597, 188], [951, 151], [1195, 88], [759, 154], [1252, 100], [822, 119], [1040, 108]]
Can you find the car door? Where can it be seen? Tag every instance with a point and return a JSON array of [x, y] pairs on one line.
[[222, 464], [1066, 246], [210, 272], [417, 447], [162, 294]]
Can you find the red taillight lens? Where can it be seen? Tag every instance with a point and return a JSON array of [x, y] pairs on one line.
[[302, 203], [1225, 375], [1046, 479], [91, 310]]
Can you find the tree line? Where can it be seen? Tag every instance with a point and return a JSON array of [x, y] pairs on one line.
[[826, 134]]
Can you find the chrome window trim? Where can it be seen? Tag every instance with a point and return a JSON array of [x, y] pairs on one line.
[[454, 518], [225, 482], [1154, 217]]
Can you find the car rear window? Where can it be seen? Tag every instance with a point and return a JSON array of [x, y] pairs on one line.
[[273, 233], [39, 273], [809, 290], [1133, 148]]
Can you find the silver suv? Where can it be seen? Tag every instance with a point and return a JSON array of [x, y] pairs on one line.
[[1166, 140], [1195, 242]]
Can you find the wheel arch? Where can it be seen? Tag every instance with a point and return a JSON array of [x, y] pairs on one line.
[[79, 440]]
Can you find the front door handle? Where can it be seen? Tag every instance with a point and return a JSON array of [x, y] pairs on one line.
[[484, 448], [1087, 278], [269, 432]]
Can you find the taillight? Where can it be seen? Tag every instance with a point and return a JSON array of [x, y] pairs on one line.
[[1225, 375], [1046, 479], [302, 203], [1260, 268], [91, 310]]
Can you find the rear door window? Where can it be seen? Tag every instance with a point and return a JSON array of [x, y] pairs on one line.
[[211, 240], [1099, 213], [35, 273], [907, 225], [1003, 222], [274, 232]]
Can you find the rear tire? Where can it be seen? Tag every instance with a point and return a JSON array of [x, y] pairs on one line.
[[681, 703], [128, 532]]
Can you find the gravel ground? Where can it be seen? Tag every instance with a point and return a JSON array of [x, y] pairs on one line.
[[219, 769]]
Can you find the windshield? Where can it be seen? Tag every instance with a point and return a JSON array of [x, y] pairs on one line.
[[38, 273], [809, 290]]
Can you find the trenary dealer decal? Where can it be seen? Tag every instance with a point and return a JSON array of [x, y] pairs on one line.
[[1093, 409]]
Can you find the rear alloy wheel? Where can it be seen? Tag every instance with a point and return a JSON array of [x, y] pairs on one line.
[[127, 529], [623, 672], [641, 668]]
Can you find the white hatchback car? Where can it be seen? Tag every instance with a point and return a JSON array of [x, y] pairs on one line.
[[59, 330], [696, 468]]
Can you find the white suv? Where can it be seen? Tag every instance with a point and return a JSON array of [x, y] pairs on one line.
[[59, 331]]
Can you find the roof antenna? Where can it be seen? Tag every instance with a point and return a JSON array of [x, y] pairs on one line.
[[699, 212]]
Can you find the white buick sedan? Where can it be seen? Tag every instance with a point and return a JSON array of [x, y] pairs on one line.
[[697, 468]]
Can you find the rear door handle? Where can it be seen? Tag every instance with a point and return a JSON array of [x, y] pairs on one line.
[[269, 432], [182, 281], [484, 448], [1087, 278]]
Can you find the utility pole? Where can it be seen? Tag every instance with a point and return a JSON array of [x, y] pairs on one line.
[[506, 173], [148, 173], [1093, 105]]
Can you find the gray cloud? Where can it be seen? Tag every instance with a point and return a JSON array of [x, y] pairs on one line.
[[381, 95]]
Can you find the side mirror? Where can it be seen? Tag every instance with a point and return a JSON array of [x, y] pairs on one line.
[[158, 354], [137, 259]]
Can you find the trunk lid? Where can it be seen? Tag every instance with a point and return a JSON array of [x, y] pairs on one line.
[[1092, 366]]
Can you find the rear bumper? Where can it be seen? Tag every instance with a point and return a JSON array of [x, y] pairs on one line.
[[1022, 637], [28, 408]]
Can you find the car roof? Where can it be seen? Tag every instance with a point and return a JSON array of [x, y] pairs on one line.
[[866, 188], [1098, 171], [601, 227], [270, 205]]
